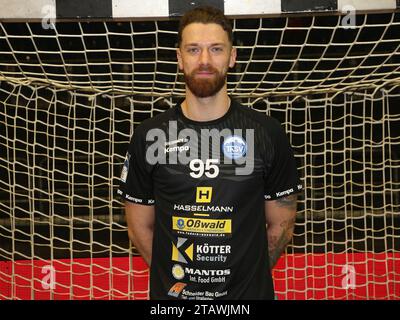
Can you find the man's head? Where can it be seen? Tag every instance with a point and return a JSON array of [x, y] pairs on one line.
[[205, 15], [205, 50]]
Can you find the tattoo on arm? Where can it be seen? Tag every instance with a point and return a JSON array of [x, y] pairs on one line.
[[276, 246], [278, 240], [289, 202]]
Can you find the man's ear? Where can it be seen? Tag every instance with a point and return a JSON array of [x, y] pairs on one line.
[[179, 57], [232, 59]]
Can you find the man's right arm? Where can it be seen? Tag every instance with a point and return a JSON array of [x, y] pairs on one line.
[[140, 221]]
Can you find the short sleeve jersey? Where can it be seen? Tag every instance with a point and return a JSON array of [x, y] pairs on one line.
[[208, 182]]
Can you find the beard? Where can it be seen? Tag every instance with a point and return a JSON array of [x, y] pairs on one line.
[[203, 88]]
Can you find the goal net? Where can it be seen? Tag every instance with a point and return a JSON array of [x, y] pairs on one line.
[[71, 97]]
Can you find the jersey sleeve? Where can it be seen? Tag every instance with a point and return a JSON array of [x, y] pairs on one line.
[[136, 184], [282, 178]]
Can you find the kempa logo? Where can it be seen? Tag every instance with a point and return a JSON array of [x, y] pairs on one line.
[[176, 148], [188, 144], [287, 192]]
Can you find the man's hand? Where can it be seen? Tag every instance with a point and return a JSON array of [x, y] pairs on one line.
[[280, 217], [140, 221]]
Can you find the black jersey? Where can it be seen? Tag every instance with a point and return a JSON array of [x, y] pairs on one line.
[[208, 182]]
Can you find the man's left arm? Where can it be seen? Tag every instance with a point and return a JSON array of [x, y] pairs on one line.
[[280, 215]]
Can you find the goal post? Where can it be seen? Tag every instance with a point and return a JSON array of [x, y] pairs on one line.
[[75, 81]]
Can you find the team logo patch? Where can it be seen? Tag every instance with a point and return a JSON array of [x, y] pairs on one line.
[[234, 147]]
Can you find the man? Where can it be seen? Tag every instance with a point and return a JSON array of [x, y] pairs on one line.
[[210, 219]]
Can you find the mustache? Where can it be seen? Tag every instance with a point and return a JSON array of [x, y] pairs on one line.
[[205, 68]]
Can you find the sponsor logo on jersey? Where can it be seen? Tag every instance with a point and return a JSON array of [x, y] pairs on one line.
[[203, 194], [234, 147], [212, 253], [202, 295], [176, 289], [180, 223], [178, 272], [200, 208], [195, 225], [207, 272], [182, 251], [207, 275]]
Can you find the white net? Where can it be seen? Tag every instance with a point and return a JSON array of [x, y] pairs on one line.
[[71, 98], [275, 56]]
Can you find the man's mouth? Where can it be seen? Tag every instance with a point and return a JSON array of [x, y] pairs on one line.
[[204, 73]]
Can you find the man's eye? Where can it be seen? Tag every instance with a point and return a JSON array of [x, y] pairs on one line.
[[216, 49], [193, 50]]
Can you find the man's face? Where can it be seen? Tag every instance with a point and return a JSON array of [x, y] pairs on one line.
[[205, 54]]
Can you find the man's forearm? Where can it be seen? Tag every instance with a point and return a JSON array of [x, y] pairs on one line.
[[143, 242], [279, 235], [278, 238], [140, 223]]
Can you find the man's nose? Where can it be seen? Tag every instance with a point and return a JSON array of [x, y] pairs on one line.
[[204, 57]]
